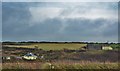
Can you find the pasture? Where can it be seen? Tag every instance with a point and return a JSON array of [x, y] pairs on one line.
[[53, 46]]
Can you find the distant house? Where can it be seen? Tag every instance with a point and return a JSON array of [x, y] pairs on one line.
[[6, 57], [30, 56], [107, 48], [93, 47]]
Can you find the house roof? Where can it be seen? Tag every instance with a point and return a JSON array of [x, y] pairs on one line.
[[29, 54]]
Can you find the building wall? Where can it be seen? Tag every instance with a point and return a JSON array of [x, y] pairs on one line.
[[93, 47], [107, 48]]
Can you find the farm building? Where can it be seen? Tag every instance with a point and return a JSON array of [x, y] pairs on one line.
[[97, 47], [93, 47]]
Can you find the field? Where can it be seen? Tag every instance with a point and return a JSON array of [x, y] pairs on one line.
[[59, 56], [49, 46], [61, 65]]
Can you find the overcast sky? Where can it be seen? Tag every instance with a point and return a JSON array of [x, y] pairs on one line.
[[60, 21]]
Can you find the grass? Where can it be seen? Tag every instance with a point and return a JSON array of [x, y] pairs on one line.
[[99, 56], [49, 46], [61, 65], [87, 66], [96, 52]]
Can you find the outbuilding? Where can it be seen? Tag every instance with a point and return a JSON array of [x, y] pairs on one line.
[[93, 47]]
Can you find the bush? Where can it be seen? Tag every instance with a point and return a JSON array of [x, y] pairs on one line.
[[115, 46]]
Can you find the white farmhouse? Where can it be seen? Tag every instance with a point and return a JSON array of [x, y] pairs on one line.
[[107, 48], [30, 56]]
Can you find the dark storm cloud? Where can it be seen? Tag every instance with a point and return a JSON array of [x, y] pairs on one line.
[[14, 17], [60, 25]]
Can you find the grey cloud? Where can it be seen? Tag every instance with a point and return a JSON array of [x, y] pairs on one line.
[[86, 27], [77, 29], [14, 18], [17, 20]]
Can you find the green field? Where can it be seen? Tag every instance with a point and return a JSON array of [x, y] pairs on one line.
[[53, 46]]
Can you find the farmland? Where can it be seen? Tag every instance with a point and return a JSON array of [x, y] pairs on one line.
[[49, 46], [60, 55]]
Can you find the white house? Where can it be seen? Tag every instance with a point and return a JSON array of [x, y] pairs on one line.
[[30, 56], [107, 48]]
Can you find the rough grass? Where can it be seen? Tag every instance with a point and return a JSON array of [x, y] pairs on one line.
[[49, 46], [88, 66], [58, 65]]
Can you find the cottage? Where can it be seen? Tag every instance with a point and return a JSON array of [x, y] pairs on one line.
[[107, 48], [30, 56]]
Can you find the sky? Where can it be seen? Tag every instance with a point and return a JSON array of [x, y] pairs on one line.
[[60, 21], [0, 21], [60, 0]]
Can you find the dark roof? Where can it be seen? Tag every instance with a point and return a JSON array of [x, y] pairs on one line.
[[29, 54]]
